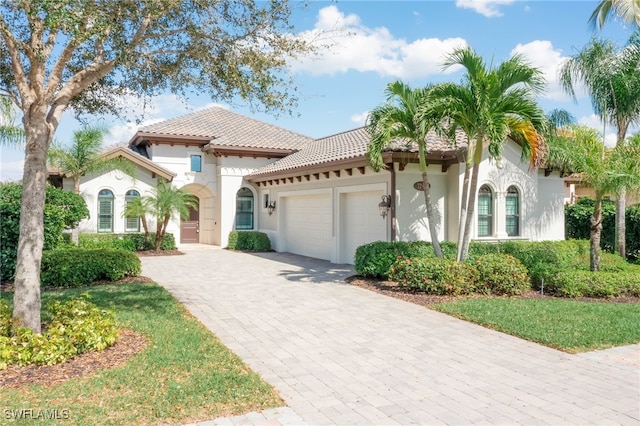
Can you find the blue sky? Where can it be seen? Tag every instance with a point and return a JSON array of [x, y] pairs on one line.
[[376, 42]]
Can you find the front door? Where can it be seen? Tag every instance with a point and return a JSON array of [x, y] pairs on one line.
[[190, 228]]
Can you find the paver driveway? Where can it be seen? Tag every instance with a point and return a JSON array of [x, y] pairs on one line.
[[342, 355]]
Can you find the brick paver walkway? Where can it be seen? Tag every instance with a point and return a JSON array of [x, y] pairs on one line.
[[342, 355]]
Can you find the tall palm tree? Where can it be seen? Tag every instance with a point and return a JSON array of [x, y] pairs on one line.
[[395, 121], [83, 157], [627, 10], [165, 202], [605, 170], [612, 79], [489, 105]]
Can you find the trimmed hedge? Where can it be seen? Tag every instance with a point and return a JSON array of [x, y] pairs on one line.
[[249, 240], [76, 326], [80, 267], [595, 284], [501, 274], [375, 259], [129, 242]]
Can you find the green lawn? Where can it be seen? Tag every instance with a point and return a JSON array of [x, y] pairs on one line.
[[185, 374], [568, 325]]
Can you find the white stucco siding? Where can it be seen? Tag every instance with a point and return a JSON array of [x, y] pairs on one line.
[[546, 221], [411, 212], [118, 183], [178, 160]]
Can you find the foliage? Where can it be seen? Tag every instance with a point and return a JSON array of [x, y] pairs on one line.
[[75, 327], [627, 10], [81, 267], [501, 274], [577, 218], [567, 325], [184, 373], [633, 233], [63, 209], [396, 120], [127, 241], [249, 240], [579, 283], [375, 259]]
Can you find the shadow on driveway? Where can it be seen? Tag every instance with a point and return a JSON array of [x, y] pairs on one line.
[[311, 270]]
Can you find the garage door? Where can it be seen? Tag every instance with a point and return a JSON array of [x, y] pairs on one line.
[[308, 226], [361, 222]]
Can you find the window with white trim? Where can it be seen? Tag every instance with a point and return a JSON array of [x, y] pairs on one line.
[[512, 207], [244, 209], [131, 224], [485, 212], [105, 211]]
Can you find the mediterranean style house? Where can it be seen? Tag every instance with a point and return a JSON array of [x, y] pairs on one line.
[[316, 197]]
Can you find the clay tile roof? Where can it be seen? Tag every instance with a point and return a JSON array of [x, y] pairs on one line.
[[228, 129], [348, 145]]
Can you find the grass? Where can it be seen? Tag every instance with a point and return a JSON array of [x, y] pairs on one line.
[[185, 374], [568, 325]]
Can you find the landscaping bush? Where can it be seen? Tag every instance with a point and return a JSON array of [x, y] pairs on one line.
[[249, 240], [80, 267], [578, 283], [501, 274], [63, 209], [434, 275], [375, 259], [75, 327], [130, 242]]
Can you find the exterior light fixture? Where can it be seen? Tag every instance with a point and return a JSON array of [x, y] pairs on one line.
[[385, 205], [271, 207]]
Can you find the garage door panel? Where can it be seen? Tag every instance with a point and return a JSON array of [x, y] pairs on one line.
[[308, 225], [362, 223]]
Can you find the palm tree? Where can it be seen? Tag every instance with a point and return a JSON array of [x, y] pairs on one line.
[[627, 10], [611, 76], [163, 203], [137, 208], [489, 105], [83, 157], [605, 170], [10, 134], [396, 121]]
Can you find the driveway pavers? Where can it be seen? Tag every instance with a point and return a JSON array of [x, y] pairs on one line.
[[342, 355]]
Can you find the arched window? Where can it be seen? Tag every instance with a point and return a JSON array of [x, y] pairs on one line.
[[244, 209], [485, 212], [105, 211], [131, 224], [513, 211]]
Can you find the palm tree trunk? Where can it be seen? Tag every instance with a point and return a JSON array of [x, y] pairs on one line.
[[621, 227], [426, 189], [75, 237], [596, 233], [26, 297], [463, 210], [473, 190]]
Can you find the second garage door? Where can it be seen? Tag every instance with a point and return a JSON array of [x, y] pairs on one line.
[[308, 225], [361, 222]]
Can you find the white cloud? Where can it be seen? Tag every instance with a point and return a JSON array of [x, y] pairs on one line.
[[11, 171], [349, 45], [360, 119], [541, 54], [488, 8]]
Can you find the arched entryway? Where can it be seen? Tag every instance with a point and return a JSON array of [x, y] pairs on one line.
[[190, 228]]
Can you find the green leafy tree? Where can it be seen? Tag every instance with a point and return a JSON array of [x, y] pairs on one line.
[[605, 170], [627, 10], [395, 121], [137, 208], [489, 105], [612, 79], [165, 202], [10, 134], [83, 157], [84, 53]]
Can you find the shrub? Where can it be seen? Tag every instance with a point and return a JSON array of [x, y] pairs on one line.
[[375, 259], [249, 240], [63, 209], [501, 274], [130, 242], [76, 326], [80, 267], [434, 275], [577, 283]]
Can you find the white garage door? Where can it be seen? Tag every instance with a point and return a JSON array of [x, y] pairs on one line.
[[308, 226], [361, 222]]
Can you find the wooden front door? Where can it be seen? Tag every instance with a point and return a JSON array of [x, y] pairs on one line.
[[190, 228]]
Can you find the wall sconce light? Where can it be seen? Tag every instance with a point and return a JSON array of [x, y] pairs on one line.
[[271, 207], [385, 205]]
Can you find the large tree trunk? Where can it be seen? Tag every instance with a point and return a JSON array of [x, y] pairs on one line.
[[621, 226], [596, 233], [26, 297], [426, 188], [471, 205], [75, 237], [464, 202]]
